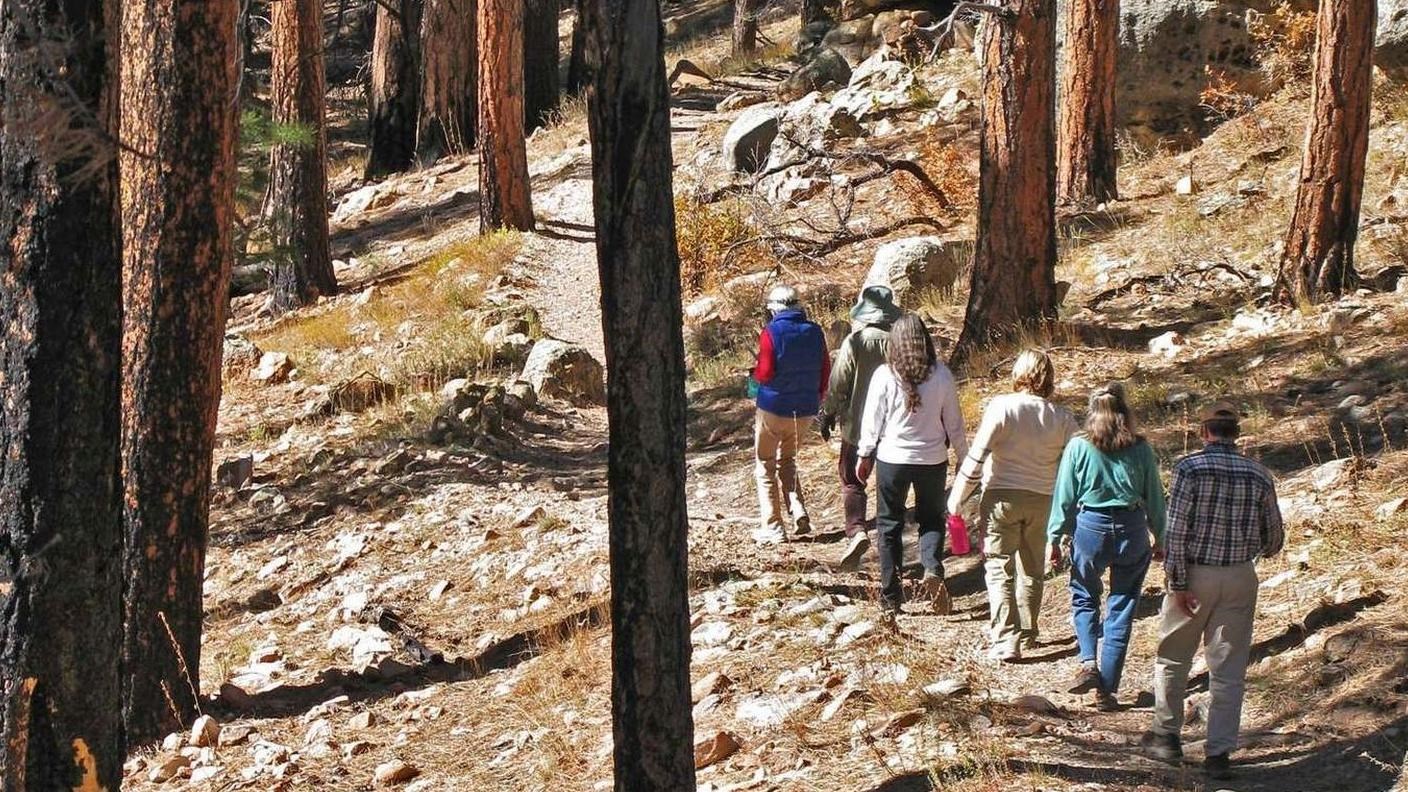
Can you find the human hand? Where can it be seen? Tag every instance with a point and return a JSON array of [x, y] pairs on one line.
[[1159, 553], [1054, 555], [824, 426], [863, 468], [1185, 601]]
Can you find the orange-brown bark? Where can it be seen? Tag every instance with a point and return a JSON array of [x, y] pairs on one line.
[[1086, 164], [505, 200], [1014, 260], [1319, 257]]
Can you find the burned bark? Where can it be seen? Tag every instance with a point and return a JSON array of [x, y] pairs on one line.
[[542, 81], [449, 60], [393, 97], [60, 351], [629, 121]]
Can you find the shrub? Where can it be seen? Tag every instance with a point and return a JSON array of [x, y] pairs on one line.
[[948, 168], [1222, 99], [717, 242], [1285, 44]]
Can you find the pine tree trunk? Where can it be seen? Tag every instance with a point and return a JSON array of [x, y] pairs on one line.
[[298, 178], [505, 199], [542, 79], [1014, 259], [60, 351], [577, 59], [178, 99], [629, 121], [449, 59], [1085, 171], [394, 95], [745, 28], [1319, 257]]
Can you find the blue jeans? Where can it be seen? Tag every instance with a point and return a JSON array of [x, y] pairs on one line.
[[1117, 541]]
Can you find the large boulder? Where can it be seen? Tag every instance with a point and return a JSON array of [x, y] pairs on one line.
[[810, 123], [1391, 46], [750, 136], [825, 67], [854, 39], [877, 86], [562, 370], [917, 263]]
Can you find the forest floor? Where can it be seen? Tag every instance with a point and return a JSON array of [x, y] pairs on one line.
[[376, 595]]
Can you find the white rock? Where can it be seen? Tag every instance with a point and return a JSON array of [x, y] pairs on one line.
[[1331, 474], [559, 369], [1168, 345], [712, 634], [1387, 510], [273, 368], [1185, 186], [205, 732], [909, 265]]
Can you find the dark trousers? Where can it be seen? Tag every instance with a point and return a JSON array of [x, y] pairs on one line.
[[852, 490], [892, 485]]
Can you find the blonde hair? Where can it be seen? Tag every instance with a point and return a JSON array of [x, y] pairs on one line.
[[1034, 373], [1110, 425]]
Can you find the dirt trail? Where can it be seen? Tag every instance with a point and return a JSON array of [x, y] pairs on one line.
[[561, 257]]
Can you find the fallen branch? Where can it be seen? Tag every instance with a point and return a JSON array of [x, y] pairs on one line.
[[941, 31], [1173, 279]]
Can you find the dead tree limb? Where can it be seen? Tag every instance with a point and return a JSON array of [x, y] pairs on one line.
[[941, 31]]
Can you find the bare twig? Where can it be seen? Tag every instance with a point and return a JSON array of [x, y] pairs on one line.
[[941, 31]]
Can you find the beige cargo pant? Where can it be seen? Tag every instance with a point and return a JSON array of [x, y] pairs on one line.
[[1223, 625], [1014, 552], [775, 443]]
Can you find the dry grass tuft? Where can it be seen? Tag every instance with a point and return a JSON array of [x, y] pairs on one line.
[[717, 242], [950, 169]]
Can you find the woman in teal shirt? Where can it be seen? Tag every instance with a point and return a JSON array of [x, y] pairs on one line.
[[1108, 499]]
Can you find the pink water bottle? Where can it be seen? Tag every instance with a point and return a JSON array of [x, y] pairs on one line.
[[958, 535]]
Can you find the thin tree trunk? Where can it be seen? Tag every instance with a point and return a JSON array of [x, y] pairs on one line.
[[449, 77], [745, 27], [1014, 259], [394, 94], [1085, 171], [505, 199], [542, 63], [629, 121], [298, 177], [178, 99], [60, 351], [1319, 258], [577, 59]]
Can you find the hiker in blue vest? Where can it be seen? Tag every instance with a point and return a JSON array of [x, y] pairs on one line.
[[791, 373]]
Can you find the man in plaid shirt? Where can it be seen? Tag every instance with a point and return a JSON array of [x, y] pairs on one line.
[[1222, 515]]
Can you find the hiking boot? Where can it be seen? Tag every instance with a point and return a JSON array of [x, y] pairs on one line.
[[936, 592], [1164, 747], [804, 525], [1001, 653], [855, 553], [1218, 767], [1087, 679], [1028, 642], [1105, 701]]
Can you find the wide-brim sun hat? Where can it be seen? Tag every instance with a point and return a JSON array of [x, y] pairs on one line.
[[876, 305]]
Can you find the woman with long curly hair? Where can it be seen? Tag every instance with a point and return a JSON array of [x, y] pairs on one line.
[[911, 420], [1108, 499]]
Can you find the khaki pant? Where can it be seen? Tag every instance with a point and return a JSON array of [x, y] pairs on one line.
[[775, 444], [1014, 546], [1223, 625]]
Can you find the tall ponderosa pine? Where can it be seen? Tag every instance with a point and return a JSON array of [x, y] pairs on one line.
[[449, 79], [1319, 258], [297, 209], [1086, 163], [629, 120], [179, 127], [745, 27], [393, 97], [542, 82], [505, 199], [60, 349], [1014, 259]]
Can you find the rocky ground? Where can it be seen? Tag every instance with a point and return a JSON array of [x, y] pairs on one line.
[[407, 580]]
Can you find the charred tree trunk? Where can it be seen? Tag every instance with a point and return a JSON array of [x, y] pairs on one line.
[[449, 59], [629, 121], [577, 59], [1319, 257], [1014, 258], [178, 99], [1085, 170], [60, 351], [394, 95], [505, 199], [298, 178], [745, 27], [542, 64]]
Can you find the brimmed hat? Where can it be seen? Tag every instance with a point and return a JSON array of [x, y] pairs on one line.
[[1221, 410], [876, 305], [783, 297]]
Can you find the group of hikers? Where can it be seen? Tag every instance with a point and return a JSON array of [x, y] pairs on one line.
[[1048, 490]]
